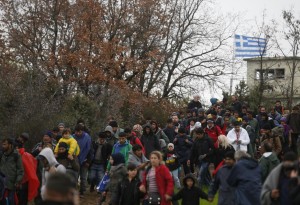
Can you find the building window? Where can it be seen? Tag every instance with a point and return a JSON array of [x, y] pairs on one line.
[[270, 74]]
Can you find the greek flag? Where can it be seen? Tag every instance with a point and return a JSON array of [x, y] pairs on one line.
[[248, 47]]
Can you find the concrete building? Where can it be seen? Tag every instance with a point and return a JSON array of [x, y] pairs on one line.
[[276, 72]]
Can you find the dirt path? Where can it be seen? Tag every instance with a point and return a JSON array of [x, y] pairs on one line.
[[89, 199]]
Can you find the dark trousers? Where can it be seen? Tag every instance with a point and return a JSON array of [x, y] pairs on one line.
[[186, 168], [22, 194]]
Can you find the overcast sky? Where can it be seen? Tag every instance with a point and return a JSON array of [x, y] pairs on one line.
[[251, 12]]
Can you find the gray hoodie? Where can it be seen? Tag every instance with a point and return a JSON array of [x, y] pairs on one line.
[[137, 161], [48, 154]]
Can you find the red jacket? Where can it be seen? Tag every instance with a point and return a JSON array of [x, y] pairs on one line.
[[135, 140], [30, 166], [164, 183], [214, 133]]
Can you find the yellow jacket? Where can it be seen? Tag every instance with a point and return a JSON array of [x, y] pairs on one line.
[[72, 144]]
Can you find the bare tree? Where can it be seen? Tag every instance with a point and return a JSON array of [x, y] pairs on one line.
[[291, 35]]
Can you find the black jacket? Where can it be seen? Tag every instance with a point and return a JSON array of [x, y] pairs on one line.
[[150, 141], [194, 104], [123, 190], [183, 148], [202, 146], [190, 196], [170, 132], [105, 152]]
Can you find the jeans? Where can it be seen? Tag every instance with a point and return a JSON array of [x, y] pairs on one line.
[[176, 180], [83, 178], [202, 169], [96, 173], [9, 199]]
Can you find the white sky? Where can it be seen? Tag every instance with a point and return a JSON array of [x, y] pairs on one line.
[[250, 14]]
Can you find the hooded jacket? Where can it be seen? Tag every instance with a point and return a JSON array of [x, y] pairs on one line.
[[190, 196], [200, 147], [137, 161], [116, 174], [111, 140], [246, 178], [182, 147], [267, 163], [150, 141], [48, 154], [226, 192], [123, 149]]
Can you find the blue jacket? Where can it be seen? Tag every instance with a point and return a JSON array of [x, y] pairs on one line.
[[246, 178], [85, 144], [183, 148], [226, 192]]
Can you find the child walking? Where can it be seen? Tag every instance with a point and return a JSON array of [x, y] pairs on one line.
[[128, 192], [190, 193]]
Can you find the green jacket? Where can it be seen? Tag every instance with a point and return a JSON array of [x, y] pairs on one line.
[[267, 164], [11, 166]]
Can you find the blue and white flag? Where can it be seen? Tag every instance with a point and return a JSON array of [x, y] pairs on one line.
[[248, 47]]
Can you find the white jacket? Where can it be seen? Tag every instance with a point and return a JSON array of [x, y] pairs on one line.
[[244, 137]]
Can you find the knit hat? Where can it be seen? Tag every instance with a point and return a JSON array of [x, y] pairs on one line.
[[171, 145], [61, 125], [137, 128], [213, 101], [48, 133], [210, 120], [197, 124], [63, 144], [118, 159], [113, 123], [25, 136]]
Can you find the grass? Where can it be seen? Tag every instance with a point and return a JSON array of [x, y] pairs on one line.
[[203, 201]]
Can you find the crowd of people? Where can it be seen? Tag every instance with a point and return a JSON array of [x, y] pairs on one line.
[[246, 158]]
